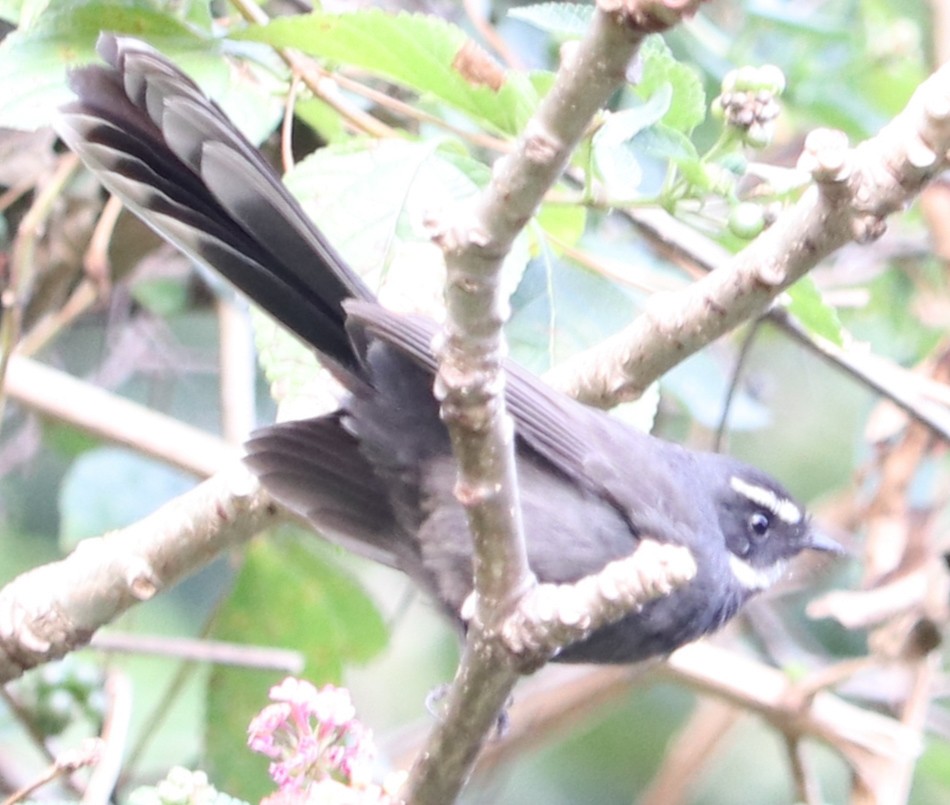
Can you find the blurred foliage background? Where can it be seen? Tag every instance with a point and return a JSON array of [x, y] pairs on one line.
[[136, 319]]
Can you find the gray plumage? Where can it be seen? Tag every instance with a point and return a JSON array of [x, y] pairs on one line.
[[378, 474]]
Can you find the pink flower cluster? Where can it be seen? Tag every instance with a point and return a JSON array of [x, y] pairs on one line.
[[314, 741]]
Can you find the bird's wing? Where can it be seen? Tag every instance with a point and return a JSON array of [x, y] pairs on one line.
[[588, 446]]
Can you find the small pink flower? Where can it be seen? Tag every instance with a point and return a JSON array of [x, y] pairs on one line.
[[313, 738], [264, 726], [334, 706]]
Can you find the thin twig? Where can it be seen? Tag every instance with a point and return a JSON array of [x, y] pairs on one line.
[[201, 650], [305, 69], [22, 266], [741, 359]]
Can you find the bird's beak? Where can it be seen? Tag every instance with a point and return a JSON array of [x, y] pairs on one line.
[[817, 540]]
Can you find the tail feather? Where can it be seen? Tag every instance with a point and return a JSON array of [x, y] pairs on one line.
[[181, 165]]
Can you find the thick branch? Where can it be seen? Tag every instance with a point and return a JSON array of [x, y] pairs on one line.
[[51, 610], [470, 381]]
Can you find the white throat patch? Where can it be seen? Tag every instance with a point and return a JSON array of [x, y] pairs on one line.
[[781, 507], [754, 579]]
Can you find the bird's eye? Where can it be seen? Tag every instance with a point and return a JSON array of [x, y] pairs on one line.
[[759, 524]]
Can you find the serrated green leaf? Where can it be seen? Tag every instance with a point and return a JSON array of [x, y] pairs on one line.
[[810, 308], [662, 142], [34, 61], [371, 198], [287, 595], [687, 108], [414, 50], [568, 20]]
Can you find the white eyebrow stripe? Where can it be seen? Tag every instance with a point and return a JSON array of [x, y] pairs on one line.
[[782, 508]]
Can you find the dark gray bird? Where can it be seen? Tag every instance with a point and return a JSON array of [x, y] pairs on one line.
[[377, 475]]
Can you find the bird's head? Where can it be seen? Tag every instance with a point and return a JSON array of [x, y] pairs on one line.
[[762, 524]]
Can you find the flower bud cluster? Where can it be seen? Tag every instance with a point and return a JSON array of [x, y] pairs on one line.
[[749, 102]]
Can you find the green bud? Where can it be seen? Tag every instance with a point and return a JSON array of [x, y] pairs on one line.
[[747, 78], [746, 220], [729, 81], [759, 135], [771, 79]]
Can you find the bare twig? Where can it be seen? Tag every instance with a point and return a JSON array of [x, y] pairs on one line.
[[709, 725], [22, 267], [875, 746], [205, 651], [551, 616], [315, 80], [115, 736], [86, 754], [806, 785]]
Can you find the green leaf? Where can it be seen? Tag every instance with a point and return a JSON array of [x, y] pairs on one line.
[[810, 308], [416, 51], [34, 61], [293, 593], [564, 222], [687, 108], [322, 118], [617, 164], [88, 503], [289, 595], [567, 20], [621, 127], [373, 200], [552, 312]]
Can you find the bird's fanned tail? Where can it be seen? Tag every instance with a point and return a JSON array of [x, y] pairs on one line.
[[175, 158]]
